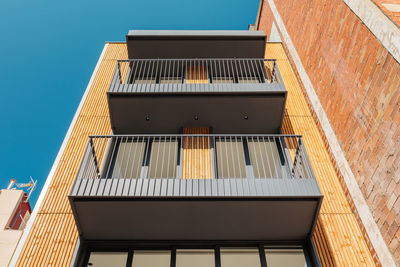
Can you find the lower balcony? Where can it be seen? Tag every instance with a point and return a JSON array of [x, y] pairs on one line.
[[195, 187]]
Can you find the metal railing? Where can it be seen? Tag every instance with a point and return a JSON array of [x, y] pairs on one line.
[[166, 72], [195, 157]]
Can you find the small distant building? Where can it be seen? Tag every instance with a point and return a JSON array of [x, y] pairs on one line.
[[15, 211]]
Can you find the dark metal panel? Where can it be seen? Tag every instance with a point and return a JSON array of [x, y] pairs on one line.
[[225, 113], [247, 219], [195, 44]]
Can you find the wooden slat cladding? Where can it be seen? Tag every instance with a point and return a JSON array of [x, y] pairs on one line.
[[196, 74], [338, 237], [196, 154], [53, 236]]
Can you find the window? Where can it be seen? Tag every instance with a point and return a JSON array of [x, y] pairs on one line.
[[195, 258], [127, 162], [226, 256], [143, 157], [246, 257], [106, 259], [285, 257], [163, 159], [265, 158], [230, 158], [143, 258]]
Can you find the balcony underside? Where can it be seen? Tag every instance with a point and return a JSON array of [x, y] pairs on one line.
[[241, 109], [214, 209]]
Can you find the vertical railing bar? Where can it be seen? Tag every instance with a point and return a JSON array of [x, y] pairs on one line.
[[134, 157], [95, 149], [158, 154], [164, 75], [232, 156], [91, 158], [152, 74], [145, 75], [131, 143], [227, 158], [145, 162], [284, 153], [163, 150], [88, 152], [168, 155], [101, 157], [249, 71], [215, 164], [272, 152], [266, 161], [241, 71], [168, 86], [303, 159], [294, 159], [223, 68], [135, 66], [255, 155], [238, 153], [112, 155], [140, 75], [251, 64], [198, 154], [273, 160], [192, 154]]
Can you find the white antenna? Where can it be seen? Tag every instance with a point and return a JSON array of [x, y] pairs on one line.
[[31, 186]]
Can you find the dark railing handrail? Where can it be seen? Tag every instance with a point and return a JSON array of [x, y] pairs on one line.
[[190, 71], [222, 156]]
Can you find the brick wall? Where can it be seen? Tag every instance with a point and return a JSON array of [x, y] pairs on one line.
[[358, 84], [392, 14]]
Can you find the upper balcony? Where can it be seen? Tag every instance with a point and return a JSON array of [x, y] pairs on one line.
[[235, 95], [195, 187]]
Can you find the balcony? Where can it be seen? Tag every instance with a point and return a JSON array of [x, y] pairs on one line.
[[233, 95], [195, 187]]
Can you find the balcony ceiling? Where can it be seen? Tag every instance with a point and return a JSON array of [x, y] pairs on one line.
[[174, 209]]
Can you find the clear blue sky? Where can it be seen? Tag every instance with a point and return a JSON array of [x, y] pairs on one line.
[[48, 51]]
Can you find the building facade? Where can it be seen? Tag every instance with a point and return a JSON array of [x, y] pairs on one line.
[[194, 147], [346, 55]]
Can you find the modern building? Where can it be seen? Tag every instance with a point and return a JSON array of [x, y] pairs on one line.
[[15, 211], [207, 148]]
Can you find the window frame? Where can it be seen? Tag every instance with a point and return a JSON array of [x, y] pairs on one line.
[[88, 246]]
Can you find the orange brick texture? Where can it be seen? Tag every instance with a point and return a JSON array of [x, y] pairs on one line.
[[358, 84], [394, 16]]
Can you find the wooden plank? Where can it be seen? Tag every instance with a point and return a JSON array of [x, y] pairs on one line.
[[196, 156]]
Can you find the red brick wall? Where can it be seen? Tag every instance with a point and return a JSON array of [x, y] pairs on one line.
[[394, 16], [358, 84]]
